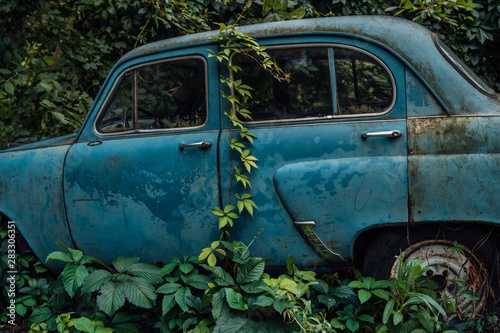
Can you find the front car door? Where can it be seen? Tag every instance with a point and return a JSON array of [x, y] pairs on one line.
[[143, 176]]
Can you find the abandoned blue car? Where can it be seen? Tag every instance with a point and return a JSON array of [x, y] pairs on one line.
[[383, 141]]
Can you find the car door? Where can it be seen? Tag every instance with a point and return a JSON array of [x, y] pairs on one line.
[[331, 145], [142, 179]]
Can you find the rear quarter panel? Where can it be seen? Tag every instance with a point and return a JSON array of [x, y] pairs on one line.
[[454, 168]]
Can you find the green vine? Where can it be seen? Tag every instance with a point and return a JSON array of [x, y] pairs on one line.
[[240, 138]]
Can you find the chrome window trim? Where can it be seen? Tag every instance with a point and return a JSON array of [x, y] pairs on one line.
[[462, 68], [347, 116], [118, 81]]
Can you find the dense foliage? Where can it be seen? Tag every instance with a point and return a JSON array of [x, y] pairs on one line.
[[234, 295], [56, 54]]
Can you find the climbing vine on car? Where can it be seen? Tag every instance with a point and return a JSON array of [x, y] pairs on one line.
[[240, 138]]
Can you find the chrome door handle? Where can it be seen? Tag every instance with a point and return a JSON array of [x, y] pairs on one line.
[[201, 144], [383, 134]]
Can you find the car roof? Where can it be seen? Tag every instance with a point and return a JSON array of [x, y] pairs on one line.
[[409, 41]]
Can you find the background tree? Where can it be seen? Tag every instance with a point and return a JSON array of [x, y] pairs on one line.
[[55, 54]]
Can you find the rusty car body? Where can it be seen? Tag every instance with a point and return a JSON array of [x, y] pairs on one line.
[[383, 140]]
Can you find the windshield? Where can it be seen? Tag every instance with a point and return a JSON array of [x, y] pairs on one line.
[[462, 68]]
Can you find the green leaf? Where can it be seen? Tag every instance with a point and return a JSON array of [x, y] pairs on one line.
[[384, 294], [263, 301], [150, 273], [219, 305], [388, 310], [140, 292], [20, 309], [84, 324], [95, 280], [251, 271], [356, 284], [122, 264], [169, 288], [167, 269], [255, 287], [221, 277], [364, 295], [181, 298], [40, 315], [280, 306], [199, 281], [235, 300], [57, 255], [168, 303], [236, 323], [9, 88], [186, 268], [112, 297], [121, 317], [352, 325], [73, 277], [398, 317]]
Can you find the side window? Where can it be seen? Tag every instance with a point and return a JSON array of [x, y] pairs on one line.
[[363, 84], [162, 95], [325, 82], [308, 94]]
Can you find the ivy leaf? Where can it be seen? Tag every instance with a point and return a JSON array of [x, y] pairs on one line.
[[112, 297], [95, 280], [139, 292], [73, 276]]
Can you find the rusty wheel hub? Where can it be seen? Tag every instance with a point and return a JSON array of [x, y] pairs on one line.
[[457, 273]]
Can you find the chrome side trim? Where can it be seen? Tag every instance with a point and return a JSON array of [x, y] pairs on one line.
[[306, 228]]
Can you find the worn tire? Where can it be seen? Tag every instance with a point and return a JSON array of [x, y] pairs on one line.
[[434, 246]]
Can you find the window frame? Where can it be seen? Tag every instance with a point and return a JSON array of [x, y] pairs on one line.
[[331, 59], [117, 84]]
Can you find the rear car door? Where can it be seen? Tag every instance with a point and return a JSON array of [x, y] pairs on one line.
[[331, 145]]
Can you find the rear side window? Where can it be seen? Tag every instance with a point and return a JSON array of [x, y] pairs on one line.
[[157, 96], [325, 82]]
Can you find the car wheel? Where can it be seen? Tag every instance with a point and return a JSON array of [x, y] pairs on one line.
[[457, 270]]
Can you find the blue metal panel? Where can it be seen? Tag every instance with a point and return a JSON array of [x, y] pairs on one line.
[[31, 193], [419, 101], [454, 169]]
